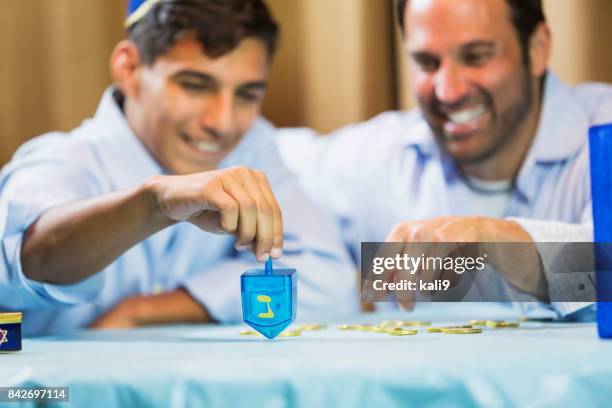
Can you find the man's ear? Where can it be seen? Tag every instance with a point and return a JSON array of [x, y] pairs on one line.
[[540, 45], [125, 66]]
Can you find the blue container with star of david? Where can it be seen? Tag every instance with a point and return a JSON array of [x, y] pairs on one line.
[[10, 332], [269, 299]]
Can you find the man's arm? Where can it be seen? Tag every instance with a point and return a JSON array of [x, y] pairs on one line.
[[177, 306], [563, 286], [72, 242]]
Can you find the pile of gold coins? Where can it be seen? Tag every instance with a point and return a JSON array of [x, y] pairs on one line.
[[401, 327], [391, 327]]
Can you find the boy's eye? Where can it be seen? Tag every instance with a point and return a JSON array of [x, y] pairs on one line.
[[249, 96], [194, 86]]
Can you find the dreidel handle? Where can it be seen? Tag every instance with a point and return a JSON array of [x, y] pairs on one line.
[[268, 267]]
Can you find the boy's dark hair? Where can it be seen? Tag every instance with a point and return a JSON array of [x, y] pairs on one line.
[[219, 26], [525, 16]]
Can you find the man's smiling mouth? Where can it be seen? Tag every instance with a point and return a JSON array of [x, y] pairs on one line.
[[467, 115]]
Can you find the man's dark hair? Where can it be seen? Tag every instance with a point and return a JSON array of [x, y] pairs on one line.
[[219, 26], [525, 16]]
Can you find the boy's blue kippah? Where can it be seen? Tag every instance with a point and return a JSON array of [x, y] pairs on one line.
[[137, 9]]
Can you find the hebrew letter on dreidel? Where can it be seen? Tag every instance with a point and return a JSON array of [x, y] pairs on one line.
[[265, 299]]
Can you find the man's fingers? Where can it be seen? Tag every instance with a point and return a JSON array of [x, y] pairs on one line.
[[404, 233], [398, 233], [406, 305], [277, 218], [405, 298]]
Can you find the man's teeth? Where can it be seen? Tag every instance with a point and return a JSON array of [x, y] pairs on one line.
[[466, 115]]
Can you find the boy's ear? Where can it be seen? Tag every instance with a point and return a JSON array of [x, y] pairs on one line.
[[125, 67]]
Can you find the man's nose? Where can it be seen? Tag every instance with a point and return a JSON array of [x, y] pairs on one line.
[[219, 113], [451, 85]]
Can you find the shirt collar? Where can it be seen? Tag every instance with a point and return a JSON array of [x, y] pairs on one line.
[[419, 134], [563, 124], [562, 132], [120, 151]]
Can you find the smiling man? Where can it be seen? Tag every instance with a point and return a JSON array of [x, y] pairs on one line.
[[496, 151], [102, 226]]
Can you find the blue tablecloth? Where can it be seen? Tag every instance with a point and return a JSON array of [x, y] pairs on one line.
[[539, 364]]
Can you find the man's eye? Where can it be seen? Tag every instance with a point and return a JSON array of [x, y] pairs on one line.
[[476, 60], [427, 64]]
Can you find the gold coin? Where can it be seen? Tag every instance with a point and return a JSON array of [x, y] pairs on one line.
[[461, 331], [348, 327], [365, 327], [478, 322], [391, 323], [501, 324], [290, 333], [416, 323], [249, 333], [402, 332], [311, 327], [508, 324], [393, 329], [439, 329], [379, 329], [403, 323]]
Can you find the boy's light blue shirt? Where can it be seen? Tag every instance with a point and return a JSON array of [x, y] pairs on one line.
[[389, 169], [104, 155]]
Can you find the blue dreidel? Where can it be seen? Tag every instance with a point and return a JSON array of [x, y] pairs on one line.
[[269, 298], [600, 147]]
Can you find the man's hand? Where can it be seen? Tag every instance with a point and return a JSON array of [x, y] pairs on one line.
[[237, 201], [529, 277], [459, 229], [172, 307]]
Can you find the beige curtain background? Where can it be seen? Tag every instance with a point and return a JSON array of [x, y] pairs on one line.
[[340, 61], [54, 64]]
